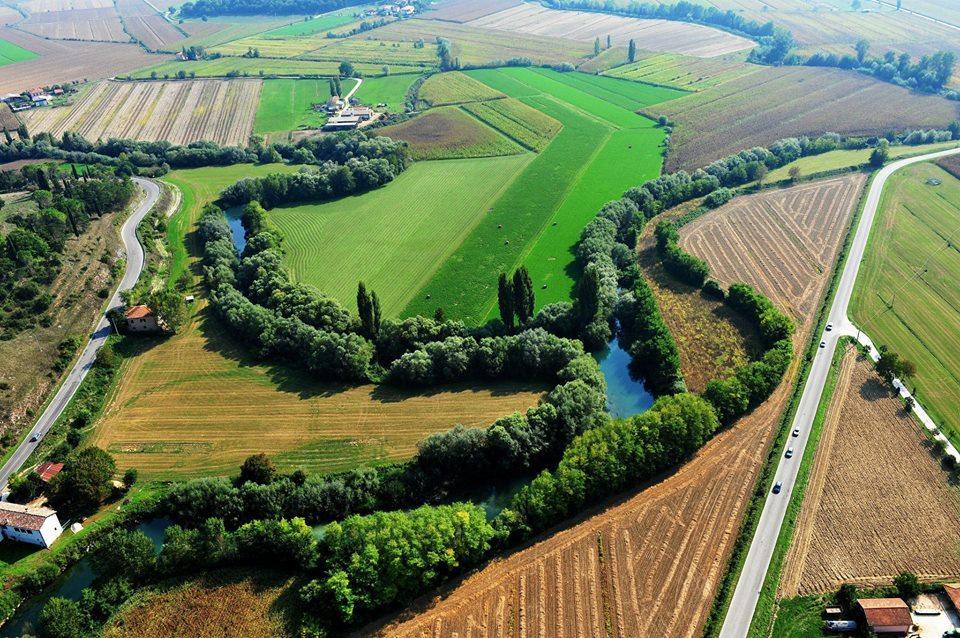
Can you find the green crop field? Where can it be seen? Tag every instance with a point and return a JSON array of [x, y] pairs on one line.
[[682, 72], [835, 160], [320, 47], [253, 67], [320, 24], [602, 149], [455, 87], [449, 132], [287, 105], [907, 293], [10, 53], [388, 89], [394, 237], [528, 126]]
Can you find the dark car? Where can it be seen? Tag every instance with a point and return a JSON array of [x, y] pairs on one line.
[[777, 487]]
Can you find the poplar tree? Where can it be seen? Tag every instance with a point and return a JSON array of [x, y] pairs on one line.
[[632, 51], [505, 301], [364, 309], [596, 46], [523, 300], [375, 315]]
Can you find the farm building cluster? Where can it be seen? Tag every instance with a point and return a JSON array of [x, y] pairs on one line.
[[931, 615], [401, 10], [32, 98], [343, 116]]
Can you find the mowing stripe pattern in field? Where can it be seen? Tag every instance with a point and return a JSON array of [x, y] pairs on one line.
[[393, 238], [907, 293], [221, 111], [10, 53], [287, 105], [603, 149]]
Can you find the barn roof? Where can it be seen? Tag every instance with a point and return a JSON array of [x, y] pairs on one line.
[[24, 516], [138, 312], [886, 612], [48, 470], [952, 590]]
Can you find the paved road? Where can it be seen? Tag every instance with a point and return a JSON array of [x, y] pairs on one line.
[[128, 234], [745, 596]]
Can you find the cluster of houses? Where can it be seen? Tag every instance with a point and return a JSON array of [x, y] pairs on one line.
[[894, 618], [344, 117], [401, 10], [33, 98]]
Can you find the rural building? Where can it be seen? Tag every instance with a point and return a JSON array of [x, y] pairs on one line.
[[12, 97], [342, 123], [952, 590], [48, 470], [363, 112], [334, 104], [34, 525], [886, 616], [407, 10], [141, 319]]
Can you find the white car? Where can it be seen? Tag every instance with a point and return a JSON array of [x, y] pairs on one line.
[[829, 327], [823, 344], [796, 432], [789, 453]]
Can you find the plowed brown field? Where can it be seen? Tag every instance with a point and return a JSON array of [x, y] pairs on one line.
[[878, 503], [648, 565], [180, 112], [780, 241], [156, 32], [98, 25]]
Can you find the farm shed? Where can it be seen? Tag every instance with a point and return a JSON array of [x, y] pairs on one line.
[[952, 590], [48, 470], [342, 123], [34, 525], [886, 616]]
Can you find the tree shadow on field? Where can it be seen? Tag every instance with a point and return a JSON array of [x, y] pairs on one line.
[[873, 389], [397, 394]]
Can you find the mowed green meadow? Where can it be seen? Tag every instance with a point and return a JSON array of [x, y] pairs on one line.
[[389, 89], [603, 149], [287, 105], [906, 296], [393, 238], [10, 53]]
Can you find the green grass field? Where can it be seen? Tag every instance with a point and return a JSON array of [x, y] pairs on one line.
[[449, 132], [287, 105], [253, 67], [603, 149], [320, 24], [835, 160], [800, 618], [394, 237], [389, 89], [10, 53], [907, 296]]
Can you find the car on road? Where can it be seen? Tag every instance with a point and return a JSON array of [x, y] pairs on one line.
[[796, 432], [777, 487], [823, 344], [829, 327], [35, 438], [789, 453]]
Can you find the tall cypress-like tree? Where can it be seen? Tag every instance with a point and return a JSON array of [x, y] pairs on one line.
[[632, 51], [523, 300], [588, 294], [375, 315], [73, 167], [364, 310], [609, 42], [596, 46], [505, 300]]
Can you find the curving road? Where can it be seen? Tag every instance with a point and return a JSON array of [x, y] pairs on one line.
[[128, 234], [745, 596]]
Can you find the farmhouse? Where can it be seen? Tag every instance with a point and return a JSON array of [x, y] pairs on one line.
[[886, 616], [334, 104], [362, 112], [48, 470], [141, 319], [342, 123], [34, 525]]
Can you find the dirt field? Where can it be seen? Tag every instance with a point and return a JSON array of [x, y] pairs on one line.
[[98, 25], [774, 103], [8, 120], [179, 112], [647, 566], [466, 10], [227, 604], [63, 61], [780, 241], [650, 35], [143, 22], [878, 503]]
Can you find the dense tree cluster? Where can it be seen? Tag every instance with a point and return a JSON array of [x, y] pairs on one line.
[[202, 8], [644, 334], [686, 267], [84, 481], [930, 73]]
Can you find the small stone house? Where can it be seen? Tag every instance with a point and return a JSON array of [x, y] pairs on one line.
[[34, 525], [141, 319]]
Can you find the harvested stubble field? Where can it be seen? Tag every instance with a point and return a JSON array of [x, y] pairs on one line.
[[43, 6], [649, 35], [156, 32], [531, 128], [455, 87], [774, 103], [466, 10], [684, 72], [907, 293], [780, 241], [878, 502], [62, 61], [647, 566], [98, 25], [483, 46], [450, 132], [365, 48], [180, 112], [227, 604]]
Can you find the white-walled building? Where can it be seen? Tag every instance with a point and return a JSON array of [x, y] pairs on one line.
[[35, 525]]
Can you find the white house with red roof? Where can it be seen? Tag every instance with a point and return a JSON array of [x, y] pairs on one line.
[[34, 525]]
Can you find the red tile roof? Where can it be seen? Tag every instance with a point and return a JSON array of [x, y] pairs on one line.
[[23, 516], [48, 470], [952, 591], [886, 612], [138, 312]]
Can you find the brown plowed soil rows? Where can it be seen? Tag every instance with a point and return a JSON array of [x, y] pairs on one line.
[[780, 241], [878, 502], [179, 112], [466, 10], [62, 61], [145, 23], [100, 25], [649, 565]]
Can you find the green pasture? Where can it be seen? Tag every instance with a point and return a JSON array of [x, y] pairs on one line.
[[287, 105], [319, 24], [906, 296], [394, 237], [388, 89], [800, 617], [836, 160], [538, 219], [10, 53], [219, 30]]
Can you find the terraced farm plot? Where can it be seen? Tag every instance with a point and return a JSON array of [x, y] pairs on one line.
[[395, 237], [389, 89], [773, 103], [96, 25], [287, 105], [449, 132], [61, 61], [778, 241], [683, 72], [593, 159], [649, 35], [455, 87], [254, 67], [10, 53], [873, 480], [477, 47], [524, 124], [906, 292], [221, 111]]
